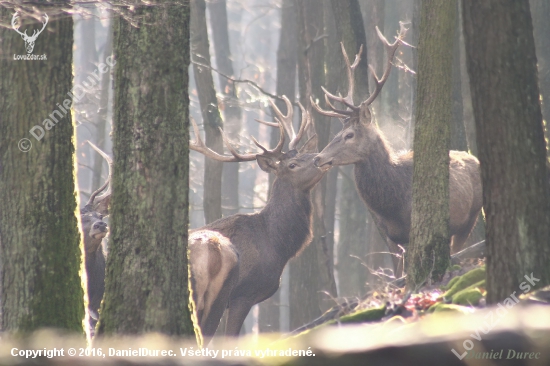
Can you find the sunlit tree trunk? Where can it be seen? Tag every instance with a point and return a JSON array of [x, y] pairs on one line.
[[147, 275], [40, 249], [500, 50], [428, 254]]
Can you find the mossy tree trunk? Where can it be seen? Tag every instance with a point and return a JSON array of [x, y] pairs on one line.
[[541, 27], [213, 169], [502, 65], [40, 249], [147, 277], [428, 254]]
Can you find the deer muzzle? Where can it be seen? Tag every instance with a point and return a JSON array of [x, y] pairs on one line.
[[323, 165]]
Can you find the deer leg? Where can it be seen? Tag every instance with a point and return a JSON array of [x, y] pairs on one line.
[[238, 310]]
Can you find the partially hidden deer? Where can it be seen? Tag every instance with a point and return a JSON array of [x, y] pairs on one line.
[[268, 239], [94, 229], [384, 177]]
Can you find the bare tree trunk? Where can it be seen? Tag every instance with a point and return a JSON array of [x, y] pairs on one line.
[[40, 250], [286, 85], [429, 252], [468, 113], [502, 65], [200, 52], [146, 287], [458, 131], [355, 221], [373, 16], [232, 110], [305, 270]]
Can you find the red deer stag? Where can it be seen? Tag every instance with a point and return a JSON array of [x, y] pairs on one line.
[[384, 177], [268, 239]]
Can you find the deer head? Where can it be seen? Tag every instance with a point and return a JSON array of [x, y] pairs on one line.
[[295, 166], [359, 134], [29, 40]]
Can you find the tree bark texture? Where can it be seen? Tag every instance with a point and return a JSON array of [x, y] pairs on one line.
[[428, 254], [200, 52], [40, 250], [147, 275], [500, 50], [539, 12]]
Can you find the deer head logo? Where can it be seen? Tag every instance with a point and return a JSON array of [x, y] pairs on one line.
[[29, 40]]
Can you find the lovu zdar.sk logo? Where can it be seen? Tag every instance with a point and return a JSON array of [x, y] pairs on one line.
[[29, 40]]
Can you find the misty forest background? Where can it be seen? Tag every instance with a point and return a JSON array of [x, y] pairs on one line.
[[243, 53], [253, 46]]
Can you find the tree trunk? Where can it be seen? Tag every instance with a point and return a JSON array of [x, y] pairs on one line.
[[458, 131], [539, 11], [40, 249], [429, 252], [286, 85], [200, 49], [305, 270], [502, 66], [232, 110], [147, 276]]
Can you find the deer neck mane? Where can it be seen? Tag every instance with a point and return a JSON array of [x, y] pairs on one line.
[[288, 218], [382, 177]]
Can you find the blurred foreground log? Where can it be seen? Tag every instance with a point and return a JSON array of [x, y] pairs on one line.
[[519, 335]]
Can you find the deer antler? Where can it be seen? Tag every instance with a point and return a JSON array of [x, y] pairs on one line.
[[286, 121], [36, 33], [107, 183], [348, 99], [390, 50], [14, 26], [201, 147]]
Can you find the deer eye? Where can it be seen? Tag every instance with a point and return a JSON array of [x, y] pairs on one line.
[[348, 136], [292, 166]]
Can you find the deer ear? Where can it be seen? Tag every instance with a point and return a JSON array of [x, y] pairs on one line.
[[310, 146], [267, 164]]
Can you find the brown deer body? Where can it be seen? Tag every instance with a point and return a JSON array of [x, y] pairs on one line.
[[384, 178], [214, 267], [268, 239]]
